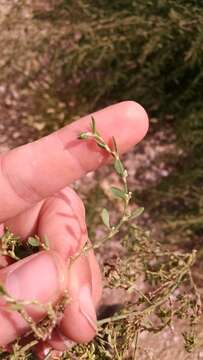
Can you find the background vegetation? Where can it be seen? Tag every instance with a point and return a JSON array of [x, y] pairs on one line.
[[62, 59], [69, 58]]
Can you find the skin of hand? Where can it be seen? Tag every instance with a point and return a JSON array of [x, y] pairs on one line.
[[35, 199]]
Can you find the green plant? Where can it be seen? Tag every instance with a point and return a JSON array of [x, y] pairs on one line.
[[169, 289]]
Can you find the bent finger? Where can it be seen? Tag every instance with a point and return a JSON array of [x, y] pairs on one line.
[[72, 327], [79, 322], [37, 170], [62, 220]]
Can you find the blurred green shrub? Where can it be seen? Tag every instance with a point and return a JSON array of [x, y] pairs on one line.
[[148, 51], [94, 53]]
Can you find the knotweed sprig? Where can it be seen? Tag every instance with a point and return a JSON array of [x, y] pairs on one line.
[[9, 242], [13, 247], [19, 352], [157, 301], [42, 330], [122, 193]]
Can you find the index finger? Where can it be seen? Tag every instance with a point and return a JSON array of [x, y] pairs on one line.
[[37, 170]]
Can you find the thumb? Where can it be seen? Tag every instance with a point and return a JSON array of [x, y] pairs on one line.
[[40, 277]]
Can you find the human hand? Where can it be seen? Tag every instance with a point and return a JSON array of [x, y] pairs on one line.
[[35, 200]]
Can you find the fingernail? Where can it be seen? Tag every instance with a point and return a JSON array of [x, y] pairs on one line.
[[59, 341], [34, 278], [67, 342], [86, 306]]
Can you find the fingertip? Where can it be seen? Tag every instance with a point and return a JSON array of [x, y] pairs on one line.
[[79, 322], [134, 112], [59, 342], [127, 121], [80, 331]]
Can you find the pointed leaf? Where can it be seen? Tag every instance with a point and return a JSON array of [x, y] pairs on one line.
[[105, 217], [118, 192], [93, 125], [136, 213], [118, 165]]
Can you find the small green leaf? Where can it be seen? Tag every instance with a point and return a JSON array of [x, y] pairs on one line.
[[136, 213], [93, 125], [118, 192], [33, 241], [105, 218], [118, 165], [83, 136]]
